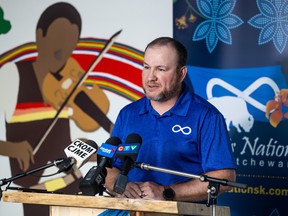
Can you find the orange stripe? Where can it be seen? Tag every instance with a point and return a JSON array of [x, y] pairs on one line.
[[27, 116]]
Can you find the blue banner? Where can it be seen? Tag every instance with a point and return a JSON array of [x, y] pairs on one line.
[[238, 62]]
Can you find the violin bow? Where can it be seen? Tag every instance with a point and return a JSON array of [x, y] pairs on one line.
[[107, 46]]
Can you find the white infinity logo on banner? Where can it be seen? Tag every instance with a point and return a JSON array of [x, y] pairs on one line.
[[246, 93], [185, 130]]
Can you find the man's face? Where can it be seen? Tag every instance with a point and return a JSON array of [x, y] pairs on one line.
[[160, 79]]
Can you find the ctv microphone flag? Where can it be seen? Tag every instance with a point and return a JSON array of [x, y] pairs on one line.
[[130, 150], [128, 153]]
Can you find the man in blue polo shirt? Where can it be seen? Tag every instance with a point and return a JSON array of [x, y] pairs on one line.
[[180, 131]]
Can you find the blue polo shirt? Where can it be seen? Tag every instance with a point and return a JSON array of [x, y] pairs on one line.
[[191, 137]]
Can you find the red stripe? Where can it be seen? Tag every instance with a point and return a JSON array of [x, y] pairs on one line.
[[114, 67], [31, 105]]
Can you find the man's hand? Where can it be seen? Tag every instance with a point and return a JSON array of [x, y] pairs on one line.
[[132, 191], [151, 190], [143, 190]]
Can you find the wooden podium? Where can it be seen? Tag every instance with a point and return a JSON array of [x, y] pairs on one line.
[[76, 205]]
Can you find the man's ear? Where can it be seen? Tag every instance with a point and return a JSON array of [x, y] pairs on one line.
[[183, 72]]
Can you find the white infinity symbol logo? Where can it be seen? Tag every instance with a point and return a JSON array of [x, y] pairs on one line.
[[246, 93], [185, 130]]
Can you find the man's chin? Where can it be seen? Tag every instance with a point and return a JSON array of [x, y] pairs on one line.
[[154, 97]]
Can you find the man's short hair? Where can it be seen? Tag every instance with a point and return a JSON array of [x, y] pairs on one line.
[[179, 47]]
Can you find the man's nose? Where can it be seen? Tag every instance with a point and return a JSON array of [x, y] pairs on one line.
[[152, 75]]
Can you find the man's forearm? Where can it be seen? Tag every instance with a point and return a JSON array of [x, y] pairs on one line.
[[196, 190]]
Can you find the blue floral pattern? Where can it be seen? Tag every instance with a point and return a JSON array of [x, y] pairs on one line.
[[219, 21], [273, 22]]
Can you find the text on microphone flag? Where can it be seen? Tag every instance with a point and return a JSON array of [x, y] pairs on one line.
[[107, 150], [128, 148], [79, 150]]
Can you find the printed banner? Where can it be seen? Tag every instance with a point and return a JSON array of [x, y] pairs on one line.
[[238, 62]]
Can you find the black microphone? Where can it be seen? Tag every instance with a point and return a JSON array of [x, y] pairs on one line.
[[105, 155], [127, 152], [78, 153], [94, 180]]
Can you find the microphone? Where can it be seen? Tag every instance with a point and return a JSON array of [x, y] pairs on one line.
[[94, 180], [107, 151], [78, 153], [128, 153]]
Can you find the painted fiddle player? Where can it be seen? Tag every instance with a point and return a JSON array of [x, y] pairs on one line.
[[27, 115]]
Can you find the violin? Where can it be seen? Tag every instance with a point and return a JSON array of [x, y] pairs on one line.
[[89, 105], [56, 91]]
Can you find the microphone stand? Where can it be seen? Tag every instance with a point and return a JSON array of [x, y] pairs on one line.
[[9, 180], [213, 186]]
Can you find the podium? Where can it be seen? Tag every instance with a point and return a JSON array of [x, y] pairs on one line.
[[74, 205]]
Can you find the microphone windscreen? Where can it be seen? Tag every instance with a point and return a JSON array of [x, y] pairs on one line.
[[113, 141], [92, 143], [133, 138]]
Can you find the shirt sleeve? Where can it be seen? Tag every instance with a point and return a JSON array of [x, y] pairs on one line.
[[216, 150]]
